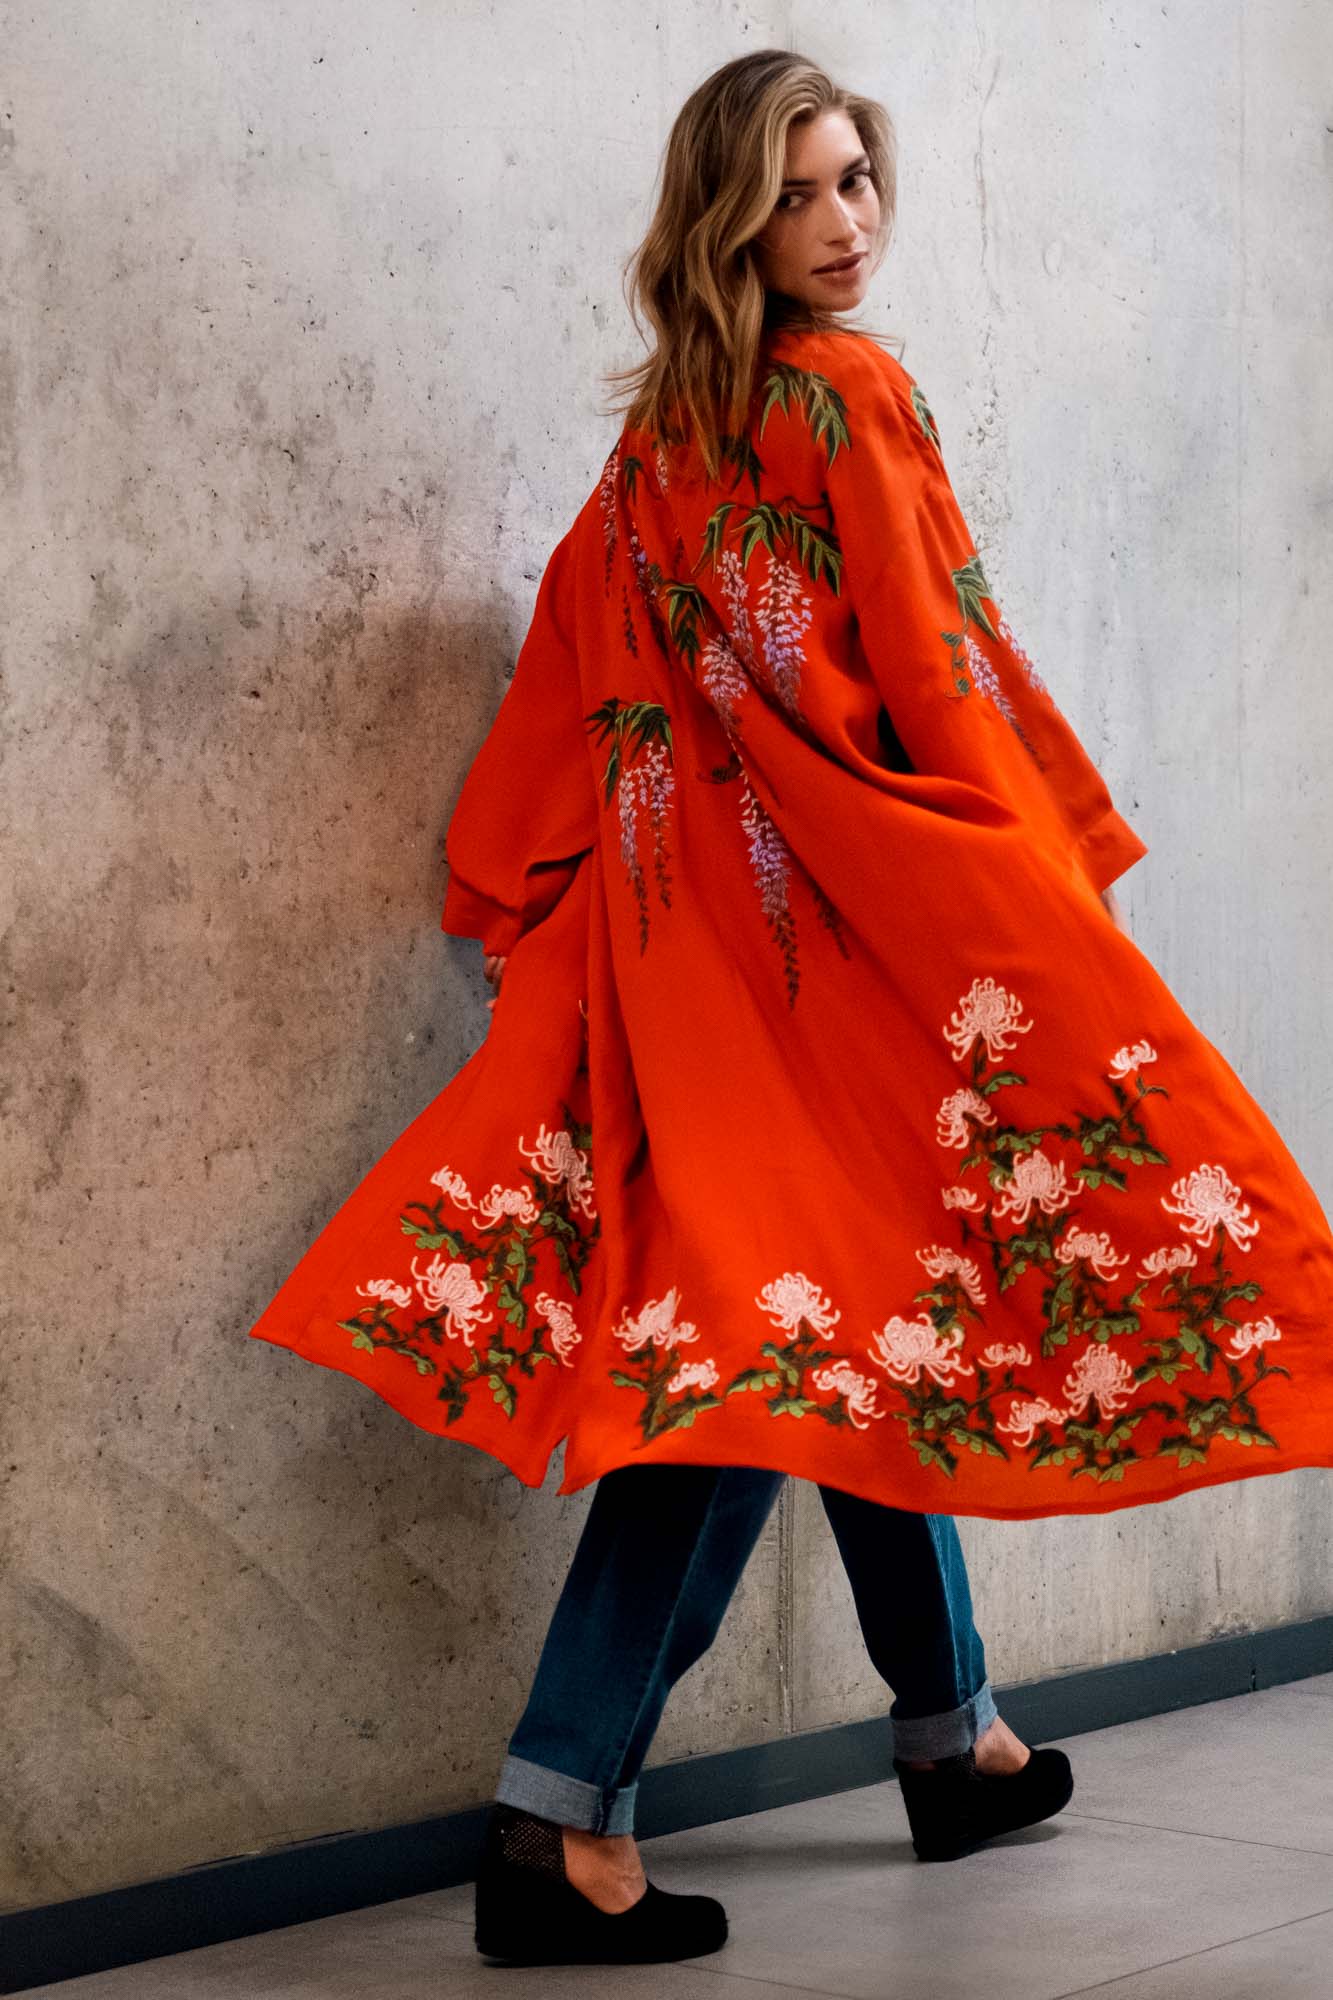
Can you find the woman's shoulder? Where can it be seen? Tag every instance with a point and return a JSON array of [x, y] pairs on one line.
[[842, 354], [871, 386]]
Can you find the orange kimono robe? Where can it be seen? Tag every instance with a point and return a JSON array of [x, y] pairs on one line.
[[826, 1121]]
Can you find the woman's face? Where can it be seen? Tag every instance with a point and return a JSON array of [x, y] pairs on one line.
[[827, 213]]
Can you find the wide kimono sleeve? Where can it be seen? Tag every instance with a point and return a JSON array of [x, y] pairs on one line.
[[936, 641], [527, 812]]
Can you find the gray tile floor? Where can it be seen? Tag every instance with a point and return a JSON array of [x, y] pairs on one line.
[[1195, 1859]]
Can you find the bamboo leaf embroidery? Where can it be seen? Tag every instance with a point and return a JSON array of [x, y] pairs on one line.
[[824, 408], [924, 416]]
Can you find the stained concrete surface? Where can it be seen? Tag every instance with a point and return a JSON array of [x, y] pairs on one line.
[[305, 313]]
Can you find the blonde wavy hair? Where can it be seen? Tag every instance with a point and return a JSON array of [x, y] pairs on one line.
[[694, 275]]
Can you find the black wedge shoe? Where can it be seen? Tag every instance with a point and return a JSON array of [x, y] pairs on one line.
[[953, 1808], [530, 1913]]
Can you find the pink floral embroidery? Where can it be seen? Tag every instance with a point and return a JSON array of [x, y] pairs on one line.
[[989, 1011], [453, 1185], [723, 680], [1100, 1372], [450, 1288], [771, 861], [1171, 1257], [782, 613], [794, 1297], [843, 1380], [1036, 1178], [1030, 673], [606, 493], [560, 1318], [655, 1324], [986, 678], [502, 1201], [1206, 1197], [1024, 1416], [1254, 1333], [1095, 1247], [735, 595], [997, 1355], [1126, 1059], [904, 1347], [392, 1294], [938, 1259], [952, 1128], [564, 1165], [693, 1375]]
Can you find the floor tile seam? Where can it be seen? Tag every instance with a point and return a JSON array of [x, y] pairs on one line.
[[1222, 1944], [758, 1979], [1197, 1833]]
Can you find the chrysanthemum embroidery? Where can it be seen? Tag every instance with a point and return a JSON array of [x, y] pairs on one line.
[[471, 1306], [798, 1374], [1032, 1185], [674, 1391], [639, 775], [799, 1368]]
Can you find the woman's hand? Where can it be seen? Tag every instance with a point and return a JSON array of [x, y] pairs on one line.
[[1114, 911], [493, 966]]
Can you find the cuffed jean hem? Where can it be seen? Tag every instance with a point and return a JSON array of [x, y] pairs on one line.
[[569, 1801], [947, 1735]]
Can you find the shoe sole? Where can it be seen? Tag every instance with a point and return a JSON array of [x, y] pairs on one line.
[[508, 1953], [942, 1851]]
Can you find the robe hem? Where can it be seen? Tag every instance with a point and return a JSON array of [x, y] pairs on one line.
[[1112, 1500], [526, 1468], [520, 1463]]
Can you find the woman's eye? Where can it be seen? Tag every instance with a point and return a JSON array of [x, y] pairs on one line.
[[856, 182]]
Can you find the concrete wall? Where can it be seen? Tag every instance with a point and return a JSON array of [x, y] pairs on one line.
[[304, 311]]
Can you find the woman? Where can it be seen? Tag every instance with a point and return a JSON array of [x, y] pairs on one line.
[[793, 882]]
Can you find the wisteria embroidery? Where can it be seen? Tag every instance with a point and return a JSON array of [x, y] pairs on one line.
[[639, 774]]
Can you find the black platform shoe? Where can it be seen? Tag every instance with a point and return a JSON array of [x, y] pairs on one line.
[[530, 1913], [953, 1808]]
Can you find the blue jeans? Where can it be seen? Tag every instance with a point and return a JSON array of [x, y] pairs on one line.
[[661, 1553]]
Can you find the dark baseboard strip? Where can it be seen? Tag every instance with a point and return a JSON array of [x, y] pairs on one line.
[[249, 1893]]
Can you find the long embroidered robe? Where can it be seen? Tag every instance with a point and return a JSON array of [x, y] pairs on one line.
[[826, 1121]]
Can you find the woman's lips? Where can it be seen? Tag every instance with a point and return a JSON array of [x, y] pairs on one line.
[[841, 270]]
